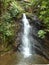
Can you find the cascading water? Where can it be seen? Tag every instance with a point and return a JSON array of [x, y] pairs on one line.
[[25, 36]]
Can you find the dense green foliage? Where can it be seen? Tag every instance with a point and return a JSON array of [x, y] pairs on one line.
[[41, 10], [9, 10], [7, 25], [15, 9], [43, 14]]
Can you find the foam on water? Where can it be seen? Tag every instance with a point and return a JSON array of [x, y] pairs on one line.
[[25, 38]]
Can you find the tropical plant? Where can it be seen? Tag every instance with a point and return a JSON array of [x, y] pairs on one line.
[[41, 8]]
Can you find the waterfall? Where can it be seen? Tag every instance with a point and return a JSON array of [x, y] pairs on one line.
[[25, 36]]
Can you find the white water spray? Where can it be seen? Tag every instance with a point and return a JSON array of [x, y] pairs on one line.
[[25, 38]]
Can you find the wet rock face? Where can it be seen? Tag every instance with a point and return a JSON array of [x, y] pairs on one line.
[[34, 22]]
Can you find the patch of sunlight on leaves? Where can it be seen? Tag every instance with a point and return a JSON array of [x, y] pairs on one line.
[[43, 12], [41, 33]]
